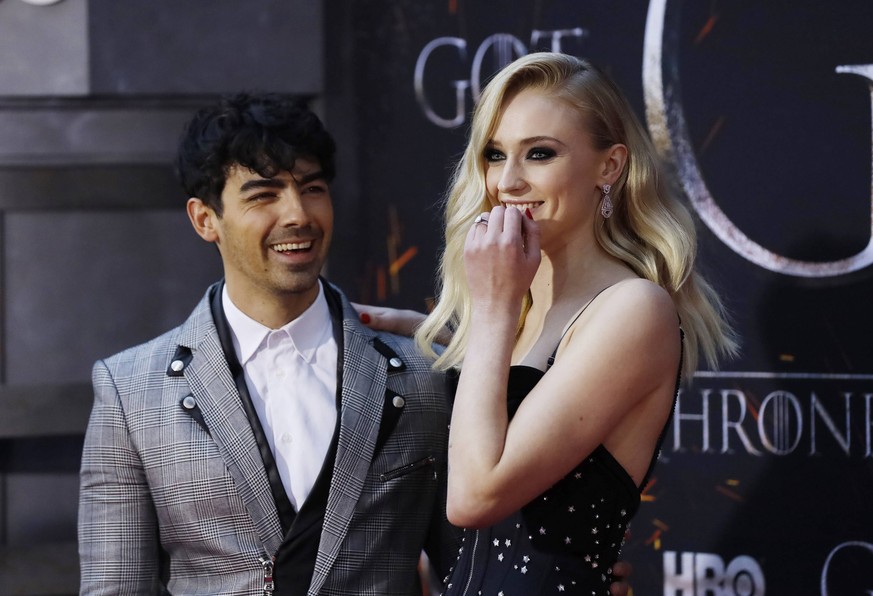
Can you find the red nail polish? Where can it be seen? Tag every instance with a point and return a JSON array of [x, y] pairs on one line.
[[365, 318], [528, 213]]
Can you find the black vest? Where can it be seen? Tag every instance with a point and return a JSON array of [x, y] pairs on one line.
[[295, 560]]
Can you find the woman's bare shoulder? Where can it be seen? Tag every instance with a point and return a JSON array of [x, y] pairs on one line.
[[631, 313]]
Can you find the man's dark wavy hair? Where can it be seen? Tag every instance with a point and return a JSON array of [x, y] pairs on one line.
[[263, 132]]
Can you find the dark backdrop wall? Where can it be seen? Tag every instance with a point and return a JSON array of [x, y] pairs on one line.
[[763, 109]]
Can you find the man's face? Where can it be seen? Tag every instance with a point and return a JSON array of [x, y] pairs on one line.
[[274, 235]]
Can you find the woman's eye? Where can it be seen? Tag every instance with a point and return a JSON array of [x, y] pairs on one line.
[[540, 153], [493, 155]]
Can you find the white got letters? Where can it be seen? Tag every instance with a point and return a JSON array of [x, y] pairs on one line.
[[506, 46]]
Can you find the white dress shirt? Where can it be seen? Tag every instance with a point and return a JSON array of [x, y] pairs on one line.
[[291, 377]]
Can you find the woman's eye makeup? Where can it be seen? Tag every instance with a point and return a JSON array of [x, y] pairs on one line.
[[534, 153], [492, 154], [540, 153]]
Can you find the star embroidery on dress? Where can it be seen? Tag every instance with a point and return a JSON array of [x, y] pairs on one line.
[[524, 569], [594, 530], [568, 540], [560, 587], [542, 531], [571, 509], [526, 559], [508, 542], [496, 542], [500, 557], [577, 475]]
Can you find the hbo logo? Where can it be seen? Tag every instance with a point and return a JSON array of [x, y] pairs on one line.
[[705, 574]]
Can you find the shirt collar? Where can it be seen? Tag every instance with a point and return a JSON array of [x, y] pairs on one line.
[[307, 332]]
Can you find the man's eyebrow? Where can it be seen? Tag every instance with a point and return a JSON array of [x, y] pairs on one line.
[[276, 183], [310, 177], [261, 183]]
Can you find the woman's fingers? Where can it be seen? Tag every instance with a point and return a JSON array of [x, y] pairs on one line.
[[392, 320]]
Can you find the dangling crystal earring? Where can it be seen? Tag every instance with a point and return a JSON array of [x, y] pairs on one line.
[[606, 202]]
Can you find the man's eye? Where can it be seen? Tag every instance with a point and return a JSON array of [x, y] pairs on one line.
[[314, 189], [263, 196]]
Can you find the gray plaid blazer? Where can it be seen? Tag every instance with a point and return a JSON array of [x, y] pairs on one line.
[[173, 504]]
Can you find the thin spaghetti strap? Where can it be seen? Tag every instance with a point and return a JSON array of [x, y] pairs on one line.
[[551, 359]]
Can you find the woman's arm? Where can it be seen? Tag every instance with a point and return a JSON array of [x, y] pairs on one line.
[[394, 320], [501, 257]]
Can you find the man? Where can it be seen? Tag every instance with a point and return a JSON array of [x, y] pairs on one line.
[[271, 442]]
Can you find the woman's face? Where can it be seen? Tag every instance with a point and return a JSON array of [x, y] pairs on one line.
[[541, 158]]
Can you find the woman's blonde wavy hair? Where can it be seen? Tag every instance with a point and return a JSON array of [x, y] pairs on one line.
[[650, 229]]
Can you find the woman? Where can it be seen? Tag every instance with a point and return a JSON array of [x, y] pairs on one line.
[[568, 280]]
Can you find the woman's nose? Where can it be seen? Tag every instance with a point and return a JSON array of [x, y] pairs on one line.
[[511, 179]]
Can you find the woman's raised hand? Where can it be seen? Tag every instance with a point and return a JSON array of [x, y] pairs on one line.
[[501, 256]]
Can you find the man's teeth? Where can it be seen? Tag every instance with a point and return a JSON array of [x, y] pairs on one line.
[[288, 246]]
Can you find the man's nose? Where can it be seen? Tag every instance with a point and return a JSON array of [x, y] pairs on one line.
[[292, 209]]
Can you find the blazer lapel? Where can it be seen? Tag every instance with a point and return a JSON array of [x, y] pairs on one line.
[[218, 401], [363, 394]]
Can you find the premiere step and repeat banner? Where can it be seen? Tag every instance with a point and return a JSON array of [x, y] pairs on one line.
[[763, 109]]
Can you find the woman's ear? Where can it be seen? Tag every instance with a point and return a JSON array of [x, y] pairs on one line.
[[204, 219], [613, 163]]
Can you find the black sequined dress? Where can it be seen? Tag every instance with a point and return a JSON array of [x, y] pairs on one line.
[[563, 542]]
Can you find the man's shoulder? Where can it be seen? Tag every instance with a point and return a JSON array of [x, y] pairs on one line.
[[404, 347], [155, 352], [155, 344], [195, 326]]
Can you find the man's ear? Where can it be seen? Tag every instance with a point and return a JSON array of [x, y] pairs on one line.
[[613, 164], [204, 219]]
